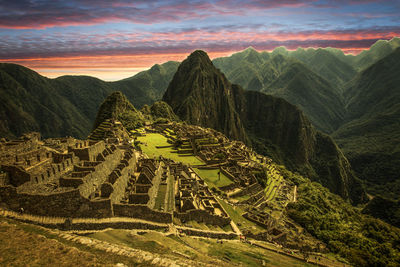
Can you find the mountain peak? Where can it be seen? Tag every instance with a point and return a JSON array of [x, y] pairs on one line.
[[200, 94], [199, 55], [115, 104]]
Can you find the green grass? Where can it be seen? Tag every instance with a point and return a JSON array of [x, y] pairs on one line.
[[235, 213], [29, 245], [151, 140], [242, 198], [211, 177], [160, 197], [207, 250]]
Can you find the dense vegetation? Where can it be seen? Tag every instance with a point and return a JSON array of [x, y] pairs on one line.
[[68, 105], [371, 137], [363, 240], [117, 107]]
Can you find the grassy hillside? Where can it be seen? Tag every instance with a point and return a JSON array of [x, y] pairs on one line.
[[30, 102], [68, 105]]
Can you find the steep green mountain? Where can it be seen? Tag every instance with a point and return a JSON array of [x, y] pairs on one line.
[[84, 92], [243, 68], [326, 63], [117, 107], [147, 86], [322, 104], [68, 105], [371, 136], [200, 94], [159, 110], [30, 102], [377, 51], [282, 74], [363, 240]]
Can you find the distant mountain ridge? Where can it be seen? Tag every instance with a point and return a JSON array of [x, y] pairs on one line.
[[200, 94], [68, 105]]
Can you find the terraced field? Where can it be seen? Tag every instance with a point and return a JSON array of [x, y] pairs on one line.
[[274, 181], [212, 178], [151, 143], [154, 145]]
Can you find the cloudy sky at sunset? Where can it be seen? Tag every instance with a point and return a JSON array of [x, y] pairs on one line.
[[116, 39]]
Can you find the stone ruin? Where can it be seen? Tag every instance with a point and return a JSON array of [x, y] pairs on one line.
[[70, 178]]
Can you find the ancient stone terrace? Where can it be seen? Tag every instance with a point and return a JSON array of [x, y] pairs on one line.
[[27, 161], [70, 178], [109, 130], [194, 201], [256, 187], [84, 181]]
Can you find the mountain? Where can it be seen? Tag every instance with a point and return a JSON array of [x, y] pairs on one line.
[[327, 63], [30, 102], [377, 51], [200, 94], [117, 107], [371, 135], [384, 209], [147, 86], [300, 86], [296, 77], [68, 105], [159, 110]]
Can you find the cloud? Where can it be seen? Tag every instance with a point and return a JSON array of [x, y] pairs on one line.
[[40, 14], [73, 44]]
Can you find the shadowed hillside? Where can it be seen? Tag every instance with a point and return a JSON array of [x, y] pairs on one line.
[[68, 105], [298, 76], [371, 136]]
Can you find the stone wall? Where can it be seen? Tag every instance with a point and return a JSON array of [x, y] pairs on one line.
[[95, 179], [17, 175], [210, 234], [61, 204], [251, 189], [43, 173], [121, 182], [53, 171], [141, 212], [229, 187], [4, 179], [89, 152], [153, 191], [203, 216]]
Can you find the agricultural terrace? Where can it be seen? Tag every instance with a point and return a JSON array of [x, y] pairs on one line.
[[155, 145]]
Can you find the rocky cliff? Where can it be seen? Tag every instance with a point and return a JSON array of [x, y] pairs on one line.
[[200, 94]]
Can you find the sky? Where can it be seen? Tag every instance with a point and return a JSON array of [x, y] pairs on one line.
[[116, 39]]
